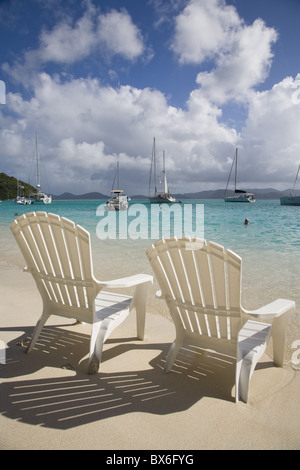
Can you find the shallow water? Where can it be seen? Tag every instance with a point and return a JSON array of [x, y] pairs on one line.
[[269, 245]]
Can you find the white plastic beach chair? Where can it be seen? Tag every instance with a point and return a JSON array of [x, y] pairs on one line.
[[201, 285], [58, 255]]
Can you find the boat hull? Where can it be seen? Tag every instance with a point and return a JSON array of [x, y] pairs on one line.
[[161, 199], [116, 206], [290, 201], [22, 200], [239, 199], [39, 198], [118, 202]]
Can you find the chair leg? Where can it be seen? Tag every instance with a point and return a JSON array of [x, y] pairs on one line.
[[139, 303], [98, 337], [94, 365], [278, 337], [244, 369], [172, 354], [38, 328], [100, 332]]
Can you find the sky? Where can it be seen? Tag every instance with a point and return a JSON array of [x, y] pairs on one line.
[[97, 80]]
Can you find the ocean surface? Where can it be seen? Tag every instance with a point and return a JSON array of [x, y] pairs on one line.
[[269, 245]]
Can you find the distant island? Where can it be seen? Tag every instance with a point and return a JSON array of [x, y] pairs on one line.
[[262, 193], [9, 188], [266, 193], [70, 196]]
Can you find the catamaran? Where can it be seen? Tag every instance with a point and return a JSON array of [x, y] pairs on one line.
[[160, 197], [239, 194], [118, 200], [39, 197], [291, 200]]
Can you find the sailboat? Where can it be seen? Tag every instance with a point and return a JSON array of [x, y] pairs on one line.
[[21, 199], [118, 200], [160, 197], [239, 194], [291, 200], [39, 197]]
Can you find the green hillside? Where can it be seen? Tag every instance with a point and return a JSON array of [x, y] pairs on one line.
[[8, 187]]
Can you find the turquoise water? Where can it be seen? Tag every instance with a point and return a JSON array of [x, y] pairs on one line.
[[269, 245]]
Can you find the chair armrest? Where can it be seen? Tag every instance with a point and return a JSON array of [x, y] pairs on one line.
[[278, 311], [272, 310], [125, 282]]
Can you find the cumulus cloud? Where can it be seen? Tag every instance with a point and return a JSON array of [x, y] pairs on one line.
[[246, 66], [85, 127], [241, 55], [202, 29], [113, 31], [120, 36], [69, 41], [271, 135]]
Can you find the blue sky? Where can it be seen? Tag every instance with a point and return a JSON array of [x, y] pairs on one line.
[[97, 80]]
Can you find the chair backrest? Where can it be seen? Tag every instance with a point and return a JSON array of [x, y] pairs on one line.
[[201, 285], [58, 255]]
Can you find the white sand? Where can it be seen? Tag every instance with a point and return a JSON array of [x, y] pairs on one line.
[[47, 401]]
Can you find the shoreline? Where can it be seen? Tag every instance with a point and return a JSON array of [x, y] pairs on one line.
[[49, 402]]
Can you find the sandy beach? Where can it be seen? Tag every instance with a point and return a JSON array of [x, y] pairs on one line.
[[48, 401]]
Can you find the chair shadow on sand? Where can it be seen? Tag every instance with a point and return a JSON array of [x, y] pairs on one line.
[[65, 401]]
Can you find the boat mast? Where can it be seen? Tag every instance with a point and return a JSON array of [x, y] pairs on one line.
[[153, 166], [118, 179], [38, 185], [118, 176], [165, 175], [295, 180], [154, 163], [233, 162], [235, 178]]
